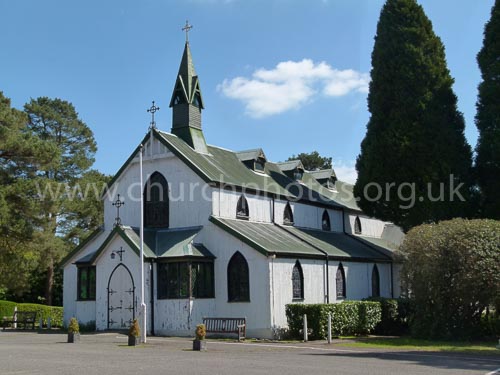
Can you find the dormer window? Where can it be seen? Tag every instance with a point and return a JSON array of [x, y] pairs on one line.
[[242, 211], [288, 215], [259, 165], [255, 160], [325, 221], [330, 184], [297, 174]]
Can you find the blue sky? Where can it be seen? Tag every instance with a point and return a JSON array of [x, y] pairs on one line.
[[287, 76]]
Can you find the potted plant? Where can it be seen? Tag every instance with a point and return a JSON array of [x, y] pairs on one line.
[[73, 331], [199, 342], [134, 334]]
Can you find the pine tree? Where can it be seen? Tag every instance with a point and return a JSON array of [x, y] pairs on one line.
[[56, 122], [488, 118], [415, 136], [18, 216]]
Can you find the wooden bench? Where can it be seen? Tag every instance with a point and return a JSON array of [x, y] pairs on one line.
[[227, 325], [24, 318]]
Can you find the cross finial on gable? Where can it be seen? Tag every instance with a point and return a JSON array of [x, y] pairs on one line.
[[152, 110], [118, 203], [187, 28]]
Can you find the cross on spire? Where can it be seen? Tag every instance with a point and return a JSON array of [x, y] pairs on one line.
[[152, 110], [187, 28], [118, 203]]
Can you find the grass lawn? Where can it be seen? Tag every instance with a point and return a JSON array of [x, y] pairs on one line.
[[482, 347]]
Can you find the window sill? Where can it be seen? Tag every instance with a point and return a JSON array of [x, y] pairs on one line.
[[85, 300], [238, 301], [241, 217], [297, 299]]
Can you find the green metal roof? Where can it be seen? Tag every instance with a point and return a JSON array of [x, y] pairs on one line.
[[173, 243], [380, 244], [266, 238], [338, 245], [225, 167], [290, 165], [250, 154], [288, 241], [87, 259], [322, 174]]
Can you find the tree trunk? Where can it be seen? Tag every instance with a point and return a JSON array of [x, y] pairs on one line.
[[49, 284]]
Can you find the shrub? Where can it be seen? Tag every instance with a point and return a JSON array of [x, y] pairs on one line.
[[201, 332], [395, 316], [73, 326], [452, 270], [348, 318], [7, 308], [134, 329]]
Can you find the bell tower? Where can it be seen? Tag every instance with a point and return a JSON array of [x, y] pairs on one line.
[[187, 102]]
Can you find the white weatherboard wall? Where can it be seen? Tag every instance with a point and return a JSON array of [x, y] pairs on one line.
[[307, 216], [85, 310], [281, 290], [180, 316], [225, 202], [369, 226], [190, 197], [257, 311], [359, 280]]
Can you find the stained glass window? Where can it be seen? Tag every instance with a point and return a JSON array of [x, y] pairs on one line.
[[340, 282], [238, 284], [156, 202], [86, 283], [297, 281]]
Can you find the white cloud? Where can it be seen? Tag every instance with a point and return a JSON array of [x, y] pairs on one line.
[[290, 85], [345, 171]]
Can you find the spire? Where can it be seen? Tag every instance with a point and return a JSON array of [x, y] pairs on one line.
[[187, 102]]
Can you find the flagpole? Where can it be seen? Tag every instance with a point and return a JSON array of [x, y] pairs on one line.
[[141, 234]]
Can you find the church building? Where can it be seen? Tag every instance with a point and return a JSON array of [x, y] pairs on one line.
[[226, 234]]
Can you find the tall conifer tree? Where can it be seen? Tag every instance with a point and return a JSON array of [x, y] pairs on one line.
[[488, 118], [415, 136], [56, 122]]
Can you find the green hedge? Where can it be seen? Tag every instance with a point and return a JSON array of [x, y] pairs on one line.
[[396, 314], [6, 308], [348, 318], [43, 311]]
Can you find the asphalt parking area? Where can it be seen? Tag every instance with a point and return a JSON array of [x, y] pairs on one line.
[[108, 353]]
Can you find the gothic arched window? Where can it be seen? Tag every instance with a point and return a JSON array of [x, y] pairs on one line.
[[238, 282], [357, 225], [340, 282], [375, 282], [288, 215], [156, 202], [242, 211], [325, 221], [297, 281]]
